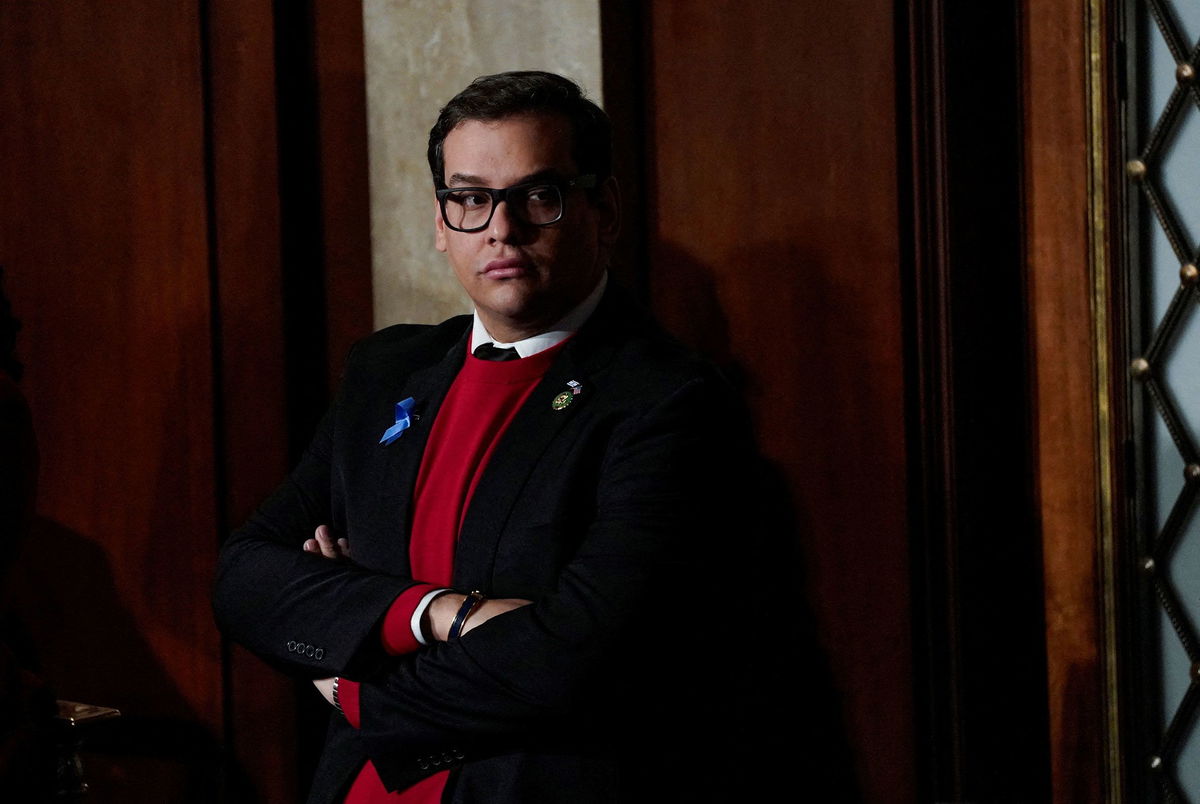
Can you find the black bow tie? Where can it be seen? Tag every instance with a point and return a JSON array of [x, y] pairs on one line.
[[490, 351]]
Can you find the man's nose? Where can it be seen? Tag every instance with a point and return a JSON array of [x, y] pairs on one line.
[[506, 224]]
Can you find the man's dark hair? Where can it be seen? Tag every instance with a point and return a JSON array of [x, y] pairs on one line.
[[495, 97], [8, 335]]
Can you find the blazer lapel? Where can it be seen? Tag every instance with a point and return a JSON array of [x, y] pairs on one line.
[[539, 421], [427, 387]]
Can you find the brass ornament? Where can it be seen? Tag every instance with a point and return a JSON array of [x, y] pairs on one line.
[[1189, 274]]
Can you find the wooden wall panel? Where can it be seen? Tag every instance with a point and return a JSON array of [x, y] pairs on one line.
[[1058, 238], [774, 246], [171, 348], [981, 681], [103, 237], [251, 429], [344, 174]]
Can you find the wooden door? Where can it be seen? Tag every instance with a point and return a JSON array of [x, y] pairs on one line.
[[774, 246], [184, 312]]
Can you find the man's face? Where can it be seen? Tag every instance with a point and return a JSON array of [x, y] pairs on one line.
[[521, 277]]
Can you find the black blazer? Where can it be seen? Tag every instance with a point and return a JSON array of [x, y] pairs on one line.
[[625, 516]]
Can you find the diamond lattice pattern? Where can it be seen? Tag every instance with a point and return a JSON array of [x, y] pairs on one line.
[[1167, 173]]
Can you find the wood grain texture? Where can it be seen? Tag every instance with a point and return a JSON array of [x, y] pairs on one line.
[[251, 430], [1066, 394], [103, 237], [344, 174], [774, 248]]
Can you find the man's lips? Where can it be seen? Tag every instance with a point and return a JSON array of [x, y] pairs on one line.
[[507, 267]]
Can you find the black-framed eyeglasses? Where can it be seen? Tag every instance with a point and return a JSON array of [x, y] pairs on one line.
[[540, 203]]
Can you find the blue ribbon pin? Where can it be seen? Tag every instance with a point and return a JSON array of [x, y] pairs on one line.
[[403, 420]]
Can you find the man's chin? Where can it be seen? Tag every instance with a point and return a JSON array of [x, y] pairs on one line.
[[523, 321]]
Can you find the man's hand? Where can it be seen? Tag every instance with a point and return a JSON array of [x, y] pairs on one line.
[[438, 617], [444, 608], [326, 545], [323, 543]]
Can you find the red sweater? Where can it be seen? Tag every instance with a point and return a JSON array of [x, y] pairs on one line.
[[477, 410]]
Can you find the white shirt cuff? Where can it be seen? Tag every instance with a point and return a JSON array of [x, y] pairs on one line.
[[419, 612]]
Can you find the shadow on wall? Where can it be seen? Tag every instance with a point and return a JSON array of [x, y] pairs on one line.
[[65, 634], [87, 649], [801, 703], [27, 705], [799, 706]]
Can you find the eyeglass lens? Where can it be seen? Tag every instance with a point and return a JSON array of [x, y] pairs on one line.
[[471, 208]]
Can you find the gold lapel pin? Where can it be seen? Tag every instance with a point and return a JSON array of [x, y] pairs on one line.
[[567, 397]]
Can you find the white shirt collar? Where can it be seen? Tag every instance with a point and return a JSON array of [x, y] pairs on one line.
[[566, 326]]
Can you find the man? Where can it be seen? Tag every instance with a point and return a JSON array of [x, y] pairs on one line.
[[519, 580]]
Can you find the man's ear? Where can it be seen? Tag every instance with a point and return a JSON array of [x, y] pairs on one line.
[[439, 227], [608, 204]]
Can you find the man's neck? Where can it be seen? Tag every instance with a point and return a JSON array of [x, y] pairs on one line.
[[535, 342]]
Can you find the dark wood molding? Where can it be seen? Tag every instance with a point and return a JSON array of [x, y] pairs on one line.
[[625, 57], [291, 274], [975, 532], [341, 91], [247, 284]]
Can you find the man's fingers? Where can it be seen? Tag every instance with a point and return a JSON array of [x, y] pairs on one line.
[[323, 542], [328, 546]]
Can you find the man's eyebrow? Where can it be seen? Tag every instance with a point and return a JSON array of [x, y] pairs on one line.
[[464, 180], [470, 180]]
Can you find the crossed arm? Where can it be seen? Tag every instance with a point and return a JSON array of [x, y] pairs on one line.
[[441, 612], [439, 615], [655, 486]]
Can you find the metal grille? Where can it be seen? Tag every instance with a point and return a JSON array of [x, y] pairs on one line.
[[1166, 171]]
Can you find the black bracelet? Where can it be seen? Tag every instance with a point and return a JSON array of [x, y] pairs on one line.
[[464, 611]]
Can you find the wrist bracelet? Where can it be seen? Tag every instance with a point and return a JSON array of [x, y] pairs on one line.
[[337, 704], [464, 611]]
